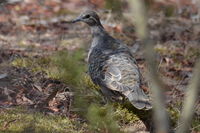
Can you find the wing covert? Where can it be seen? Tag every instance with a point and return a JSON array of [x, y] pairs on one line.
[[122, 74]]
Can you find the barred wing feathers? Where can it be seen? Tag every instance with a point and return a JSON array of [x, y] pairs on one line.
[[121, 73]]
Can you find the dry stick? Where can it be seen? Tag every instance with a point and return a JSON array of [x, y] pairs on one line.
[[140, 19], [189, 102], [160, 113], [50, 97], [6, 125]]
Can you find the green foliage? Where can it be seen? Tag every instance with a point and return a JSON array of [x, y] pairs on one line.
[[107, 118], [21, 120], [86, 94], [169, 11], [63, 65], [35, 64], [102, 119], [196, 123], [89, 84], [174, 115], [67, 67], [114, 5], [125, 116]]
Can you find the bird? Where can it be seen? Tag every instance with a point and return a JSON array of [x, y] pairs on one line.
[[111, 65]]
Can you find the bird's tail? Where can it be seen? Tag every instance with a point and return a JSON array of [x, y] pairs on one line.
[[138, 99]]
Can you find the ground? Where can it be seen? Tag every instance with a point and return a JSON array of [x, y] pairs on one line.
[[44, 85]]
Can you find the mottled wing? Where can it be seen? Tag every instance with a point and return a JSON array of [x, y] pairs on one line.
[[121, 74]]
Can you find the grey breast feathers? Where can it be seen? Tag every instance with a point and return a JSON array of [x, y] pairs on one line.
[[121, 74]]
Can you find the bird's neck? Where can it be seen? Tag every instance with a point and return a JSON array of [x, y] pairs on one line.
[[98, 35], [98, 31]]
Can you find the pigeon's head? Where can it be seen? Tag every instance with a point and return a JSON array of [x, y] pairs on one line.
[[89, 17]]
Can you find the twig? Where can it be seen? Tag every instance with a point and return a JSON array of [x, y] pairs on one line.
[[189, 102], [8, 123], [160, 114], [140, 19], [51, 96]]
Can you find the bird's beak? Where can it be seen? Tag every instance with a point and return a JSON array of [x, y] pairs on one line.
[[77, 19]]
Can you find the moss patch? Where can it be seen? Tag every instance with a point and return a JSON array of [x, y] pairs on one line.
[[21, 120], [62, 65], [174, 115], [125, 116], [196, 123], [35, 64]]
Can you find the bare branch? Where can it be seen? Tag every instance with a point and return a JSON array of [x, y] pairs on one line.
[[160, 113], [189, 102], [140, 19]]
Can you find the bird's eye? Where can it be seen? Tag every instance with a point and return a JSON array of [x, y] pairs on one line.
[[86, 16]]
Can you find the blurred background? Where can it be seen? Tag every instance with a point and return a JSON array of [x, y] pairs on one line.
[[44, 85]]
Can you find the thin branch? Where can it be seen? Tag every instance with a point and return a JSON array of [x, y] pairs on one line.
[[189, 102], [140, 19], [160, 113]]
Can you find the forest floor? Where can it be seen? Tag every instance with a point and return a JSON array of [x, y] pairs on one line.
[[44, 85]]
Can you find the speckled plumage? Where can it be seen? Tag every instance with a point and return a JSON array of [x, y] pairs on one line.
[[112, 65]]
